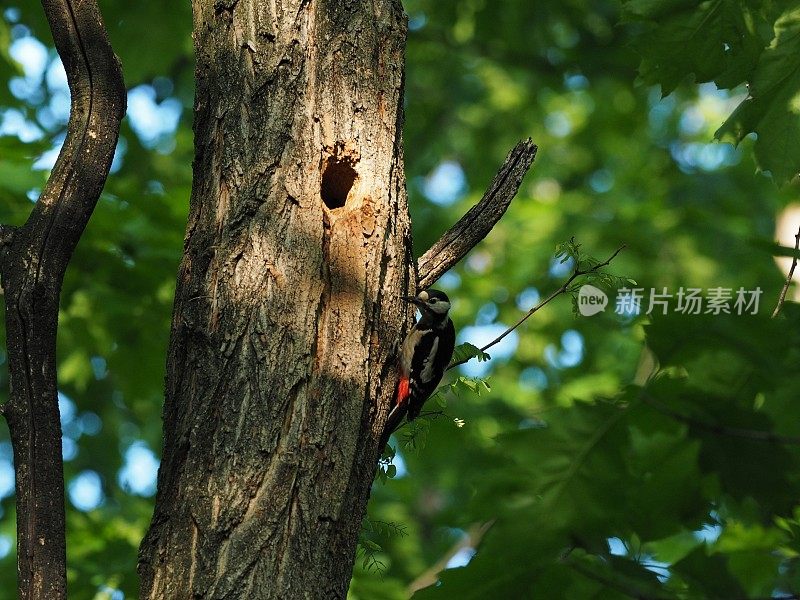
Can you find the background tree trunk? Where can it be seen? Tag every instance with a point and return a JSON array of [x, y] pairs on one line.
[[287, 310], [33, 263]]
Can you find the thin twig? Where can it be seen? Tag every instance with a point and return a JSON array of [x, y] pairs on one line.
[[479, 220], [433, 414], [788, 282], [737, 432], [619, 586], [471, 539], [561, 290]]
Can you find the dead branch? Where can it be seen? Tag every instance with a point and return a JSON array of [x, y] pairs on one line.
[[34, 261], [479, 220], [717, 429]]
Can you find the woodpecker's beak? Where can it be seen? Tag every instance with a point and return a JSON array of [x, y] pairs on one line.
[[413, 300]]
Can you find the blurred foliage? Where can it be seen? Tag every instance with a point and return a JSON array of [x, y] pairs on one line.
[[731, 42], [622, 455]]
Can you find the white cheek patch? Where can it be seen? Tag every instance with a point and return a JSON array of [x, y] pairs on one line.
[[423, 296], [440, 308]]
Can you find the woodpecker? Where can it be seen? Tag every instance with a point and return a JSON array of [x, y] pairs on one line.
[[424, 356]]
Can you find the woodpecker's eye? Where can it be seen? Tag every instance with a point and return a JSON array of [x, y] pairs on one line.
[[432, 301]]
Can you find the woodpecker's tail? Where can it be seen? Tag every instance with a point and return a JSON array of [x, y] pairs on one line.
[[400, 408], [395, 419]]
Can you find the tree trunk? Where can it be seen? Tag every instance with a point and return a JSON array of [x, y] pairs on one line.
[[287, 311], [34, 260]]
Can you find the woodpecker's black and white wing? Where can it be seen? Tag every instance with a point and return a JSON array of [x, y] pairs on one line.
[[430, 359]]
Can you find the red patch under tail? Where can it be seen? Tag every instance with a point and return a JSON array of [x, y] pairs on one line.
[[403, 391]]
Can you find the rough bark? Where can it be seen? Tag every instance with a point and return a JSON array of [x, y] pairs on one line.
[[35, 257], [287, 310]]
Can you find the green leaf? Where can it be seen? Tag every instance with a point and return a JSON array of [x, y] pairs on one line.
[[569, 250], [673, 548], [772, 108], [466, 351], [370, 545], [716, 40], [617, 573], [579, 455], [474, 385], [708, 574], [388, 452]]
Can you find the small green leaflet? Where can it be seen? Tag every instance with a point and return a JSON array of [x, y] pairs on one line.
[[466, 351], [473, 384]]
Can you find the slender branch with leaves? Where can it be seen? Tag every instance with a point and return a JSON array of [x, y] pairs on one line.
[[585, 266]]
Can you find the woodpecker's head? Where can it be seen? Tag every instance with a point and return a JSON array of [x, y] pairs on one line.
[[433, 304]]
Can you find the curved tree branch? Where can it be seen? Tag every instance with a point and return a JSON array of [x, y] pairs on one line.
[[33, 269], [479, 220]]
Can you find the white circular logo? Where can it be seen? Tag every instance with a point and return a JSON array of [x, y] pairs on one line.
[[591, 300]]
